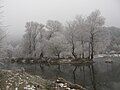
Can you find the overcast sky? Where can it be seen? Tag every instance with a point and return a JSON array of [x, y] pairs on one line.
[[18, 12]]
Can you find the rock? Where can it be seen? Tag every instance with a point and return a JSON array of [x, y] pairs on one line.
[[62, 84]]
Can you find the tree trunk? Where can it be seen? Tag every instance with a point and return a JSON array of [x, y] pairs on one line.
[[41, 55], [89, 51], [92, 47], [82, 43], [73, 51]]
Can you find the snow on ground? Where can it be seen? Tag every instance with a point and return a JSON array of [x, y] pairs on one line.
[[19, 80], [106, 55]]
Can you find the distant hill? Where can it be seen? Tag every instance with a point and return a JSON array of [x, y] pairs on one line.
[[114, 31], [115, 39]]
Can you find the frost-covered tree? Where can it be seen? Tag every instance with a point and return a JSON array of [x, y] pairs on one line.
[[41, 43], [30, 38], [87, 35], [55, 38], [95, 23], [2, 35], [71, 38], [114, 45], [56, 46], [82, 34], [53, 27], [9, 51]]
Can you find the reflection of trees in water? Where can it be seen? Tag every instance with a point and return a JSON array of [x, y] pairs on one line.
[[59, 68], [59, 71], [42, 68], [74, 77], [35, 68], [84, 75], [93, 77], [90, 76]]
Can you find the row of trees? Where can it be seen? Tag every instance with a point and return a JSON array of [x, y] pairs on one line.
[[80, 38]]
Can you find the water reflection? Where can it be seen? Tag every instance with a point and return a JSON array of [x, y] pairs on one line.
[[74, 77], [97, 76]]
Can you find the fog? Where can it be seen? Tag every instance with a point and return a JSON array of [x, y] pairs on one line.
[[18, 12], [44, 46]]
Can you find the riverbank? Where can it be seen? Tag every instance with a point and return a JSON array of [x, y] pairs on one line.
[[20, 80]]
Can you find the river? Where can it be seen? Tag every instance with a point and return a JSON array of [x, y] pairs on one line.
[[106, 75]]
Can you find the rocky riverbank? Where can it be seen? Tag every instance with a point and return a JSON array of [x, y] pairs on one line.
[[20, 80]]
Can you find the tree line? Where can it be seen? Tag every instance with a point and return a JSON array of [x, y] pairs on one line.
[[82, 37]]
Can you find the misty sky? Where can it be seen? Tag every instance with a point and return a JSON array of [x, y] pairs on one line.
[[18, 12]]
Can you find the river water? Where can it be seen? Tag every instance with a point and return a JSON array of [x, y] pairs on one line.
[[106, 76]]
